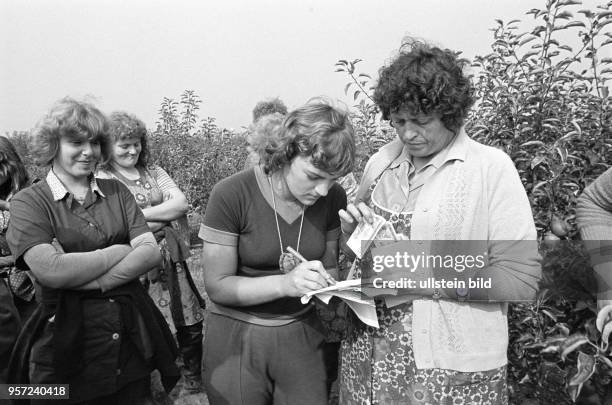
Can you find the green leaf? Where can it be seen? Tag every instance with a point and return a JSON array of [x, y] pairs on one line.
[[536, 161], [356, 94], [364, 75], [550, 349], [347, 87], [531, 53], [572, 343], [562, 154], [565, 15], [533, 11], [605, 335], [568, 136], [577, 126], [549, 314], [606, 360], [574, 391], [574, 24], [524, 41], [532, 143], [585, 369]]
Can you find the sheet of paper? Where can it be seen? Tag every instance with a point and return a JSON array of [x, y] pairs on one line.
[[365, 312], [340, 285], [363, 235], [350, 292]]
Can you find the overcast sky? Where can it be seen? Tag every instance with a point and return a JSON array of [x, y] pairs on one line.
[[129, 55]]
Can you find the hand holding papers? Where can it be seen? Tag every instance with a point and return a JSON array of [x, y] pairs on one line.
[[361, 239], [348, 291]]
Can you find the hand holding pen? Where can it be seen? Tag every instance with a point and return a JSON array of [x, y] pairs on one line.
[[302, 259]]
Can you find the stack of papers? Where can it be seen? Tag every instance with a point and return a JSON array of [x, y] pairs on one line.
[[348, 291]]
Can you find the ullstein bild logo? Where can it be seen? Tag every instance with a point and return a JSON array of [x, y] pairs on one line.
[[454, 265]]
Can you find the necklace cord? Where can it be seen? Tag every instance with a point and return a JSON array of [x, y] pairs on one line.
[[280, 239]]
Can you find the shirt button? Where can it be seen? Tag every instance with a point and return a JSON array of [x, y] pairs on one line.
[[111, 300], [424, 209], [424, 331], [90, 224], [115, 336], [118, 371]]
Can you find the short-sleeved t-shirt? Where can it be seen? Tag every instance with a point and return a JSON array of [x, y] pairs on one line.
[[107, 217], [238, 215]]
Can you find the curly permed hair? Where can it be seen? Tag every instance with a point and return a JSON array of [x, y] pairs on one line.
[[266, 107], [12, 169], [319, 129], [67, 118], [123, 125], [427, 80], [264, 134]]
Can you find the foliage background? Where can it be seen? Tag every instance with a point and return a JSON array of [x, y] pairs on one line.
[[544, 99]]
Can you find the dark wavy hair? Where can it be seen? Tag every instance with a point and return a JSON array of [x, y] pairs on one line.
[[320, 130], [12, 169], [67, 118], [123, 125], [266, 107], [427, 80]]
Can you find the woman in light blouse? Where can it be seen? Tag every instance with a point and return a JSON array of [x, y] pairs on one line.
[[435, 183]]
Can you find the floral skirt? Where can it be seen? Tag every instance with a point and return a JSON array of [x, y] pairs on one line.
[[378, 367], [174, 294]]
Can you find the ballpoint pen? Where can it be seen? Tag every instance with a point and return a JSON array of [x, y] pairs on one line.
[[302, 259]]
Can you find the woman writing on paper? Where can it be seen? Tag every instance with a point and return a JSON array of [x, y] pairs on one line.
[[434, 183], [262, 344]]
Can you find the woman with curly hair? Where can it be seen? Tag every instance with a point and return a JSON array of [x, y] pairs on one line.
[[86, 243], [262, 344], [162, 203], [438, 345]]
